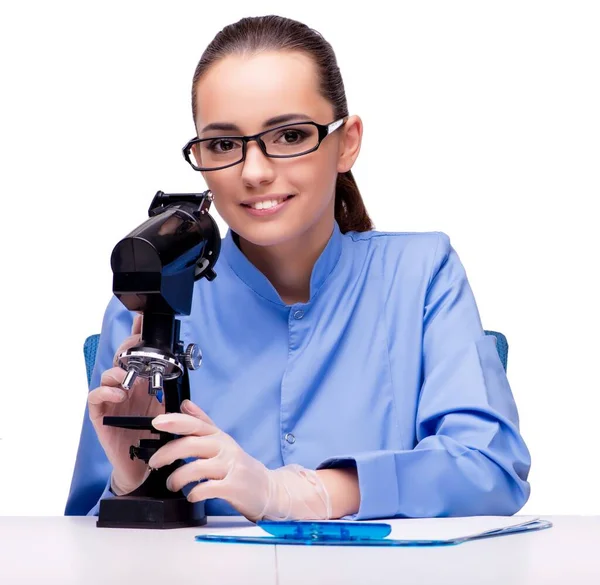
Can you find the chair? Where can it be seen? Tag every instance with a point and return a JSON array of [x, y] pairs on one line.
[[501, 346], [90, 347]]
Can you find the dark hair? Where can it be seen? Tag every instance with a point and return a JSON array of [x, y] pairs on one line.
[[262, 33]]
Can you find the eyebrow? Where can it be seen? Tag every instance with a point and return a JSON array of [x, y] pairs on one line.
[[270, 122]]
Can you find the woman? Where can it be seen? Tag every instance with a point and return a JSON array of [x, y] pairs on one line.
[[346, 373]]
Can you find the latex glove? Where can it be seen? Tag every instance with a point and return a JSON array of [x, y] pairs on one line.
[[109, 399], [290, 492]]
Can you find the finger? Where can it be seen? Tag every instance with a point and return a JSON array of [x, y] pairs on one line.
[[136, 328], [207, 490], [191, 446], [188, 407], [183, 424], [98, 398], [198, 470], [106, 394], [127, 344], [113, 377]]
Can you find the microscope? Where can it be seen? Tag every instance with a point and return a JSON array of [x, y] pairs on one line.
[[154, 271]]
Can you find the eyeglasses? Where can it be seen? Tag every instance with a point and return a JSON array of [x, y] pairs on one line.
[[287, 141]]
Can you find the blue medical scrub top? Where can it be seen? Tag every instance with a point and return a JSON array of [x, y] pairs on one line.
[[386, 368]]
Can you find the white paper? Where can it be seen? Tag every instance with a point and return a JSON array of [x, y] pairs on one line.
[[451, 528]]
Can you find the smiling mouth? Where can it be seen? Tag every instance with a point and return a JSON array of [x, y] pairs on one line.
[[267, 204]]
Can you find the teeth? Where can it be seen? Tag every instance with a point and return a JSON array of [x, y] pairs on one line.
[[266, 204]]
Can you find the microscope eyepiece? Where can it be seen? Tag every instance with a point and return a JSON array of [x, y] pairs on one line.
[[155, 266]]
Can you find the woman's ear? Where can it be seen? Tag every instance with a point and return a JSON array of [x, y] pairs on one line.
[[350, 143]]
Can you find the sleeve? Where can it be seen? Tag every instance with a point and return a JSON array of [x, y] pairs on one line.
[[91, 475], [469, 458]]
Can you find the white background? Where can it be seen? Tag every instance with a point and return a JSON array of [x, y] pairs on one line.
[[481, 120]]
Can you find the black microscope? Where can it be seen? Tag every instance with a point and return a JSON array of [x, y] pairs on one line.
[[154, 271]]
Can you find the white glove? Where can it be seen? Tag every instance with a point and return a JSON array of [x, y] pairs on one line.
[[290, 492]]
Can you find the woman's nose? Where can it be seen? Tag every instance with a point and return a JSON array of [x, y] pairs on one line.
[[257, 167]]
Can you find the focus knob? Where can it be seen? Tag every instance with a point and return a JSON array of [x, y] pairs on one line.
[[193, 357]]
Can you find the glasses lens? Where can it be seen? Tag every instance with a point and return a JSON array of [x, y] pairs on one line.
[[221, 151], [213, 153], [291, 140]]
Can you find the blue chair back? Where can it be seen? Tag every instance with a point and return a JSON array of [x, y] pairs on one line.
[[90, 347], [501, 346]]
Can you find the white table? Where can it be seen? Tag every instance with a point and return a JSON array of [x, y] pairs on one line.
[[73, 551], [70, 550]]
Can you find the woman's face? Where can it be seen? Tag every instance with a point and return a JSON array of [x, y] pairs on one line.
[[247, 91]]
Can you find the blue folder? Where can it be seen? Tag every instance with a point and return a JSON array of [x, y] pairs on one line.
[[353, 534]]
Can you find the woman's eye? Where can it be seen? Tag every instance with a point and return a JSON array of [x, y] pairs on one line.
[[221, 145], [292, 136]]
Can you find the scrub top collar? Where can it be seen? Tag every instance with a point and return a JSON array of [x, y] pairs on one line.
[[261, 285]]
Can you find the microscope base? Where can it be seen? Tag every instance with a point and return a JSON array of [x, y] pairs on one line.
[[144, 512]]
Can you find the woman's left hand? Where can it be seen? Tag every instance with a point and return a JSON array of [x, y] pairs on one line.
[[232, 474]]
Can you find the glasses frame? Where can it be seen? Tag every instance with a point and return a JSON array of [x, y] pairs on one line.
[[323, 129]]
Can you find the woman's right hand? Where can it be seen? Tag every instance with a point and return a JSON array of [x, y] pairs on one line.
[[109, 399]]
